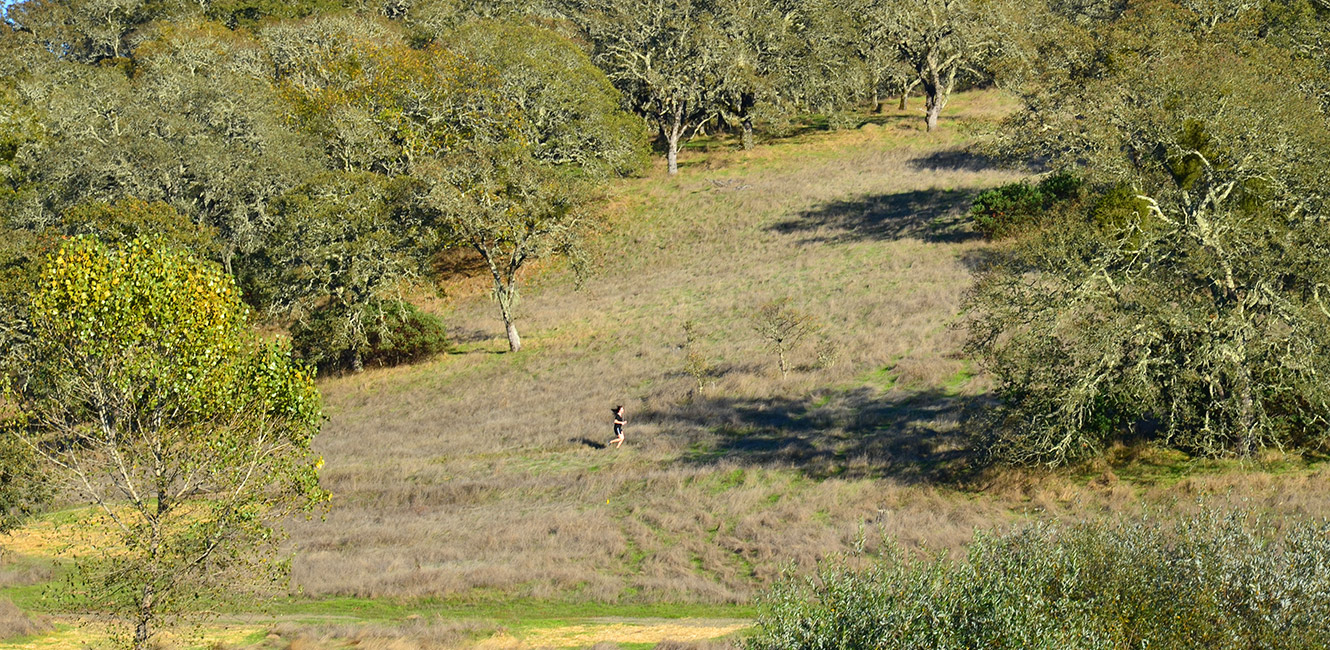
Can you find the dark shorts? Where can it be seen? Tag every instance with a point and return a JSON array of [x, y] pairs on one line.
[[618, 429]]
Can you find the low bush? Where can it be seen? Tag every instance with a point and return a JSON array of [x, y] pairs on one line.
[[1212, 580], [1007, 210], [400, 333]]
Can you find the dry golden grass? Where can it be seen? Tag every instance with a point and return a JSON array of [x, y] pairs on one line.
[[70, 533], [82, 635], [413, 634], [675, 634], [477, 471]]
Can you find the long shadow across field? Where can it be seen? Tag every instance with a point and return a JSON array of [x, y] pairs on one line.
[[955, 160], [932, 215], [914, 437]]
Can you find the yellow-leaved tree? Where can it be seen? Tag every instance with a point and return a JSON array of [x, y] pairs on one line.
[[147, 395]]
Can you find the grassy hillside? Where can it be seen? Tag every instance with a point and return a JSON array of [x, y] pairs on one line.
[[482, 472], [477, 485]]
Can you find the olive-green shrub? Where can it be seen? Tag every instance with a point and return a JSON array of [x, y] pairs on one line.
[[1007, 210], [401, 333], [1212, 580]]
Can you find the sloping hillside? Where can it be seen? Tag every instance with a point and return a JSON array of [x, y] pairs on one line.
[[484, 473]]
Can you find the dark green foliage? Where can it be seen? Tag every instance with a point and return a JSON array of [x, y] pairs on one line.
[[1183, 300], [1007, 210], [572, 112], [1211, 580], [247, 13], [128, 219], [1117, 208], [345, 245], [404, 334], [24, 488]]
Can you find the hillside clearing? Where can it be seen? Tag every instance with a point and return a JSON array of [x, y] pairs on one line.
[[481, 472]]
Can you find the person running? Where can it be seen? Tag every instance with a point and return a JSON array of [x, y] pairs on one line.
[[619, 421]]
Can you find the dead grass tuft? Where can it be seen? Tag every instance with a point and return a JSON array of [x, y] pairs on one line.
[[414, 634], [15, 623]]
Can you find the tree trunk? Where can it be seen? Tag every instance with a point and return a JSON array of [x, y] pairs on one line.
[[1246, 403], [672, 157], [674, 135], [143, 618], [935, 91], [1246, 412], [905, 94], [934, 107], [746, 104], [514, 341]]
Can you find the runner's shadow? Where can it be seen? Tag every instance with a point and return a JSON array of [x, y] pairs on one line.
[[590, 443]]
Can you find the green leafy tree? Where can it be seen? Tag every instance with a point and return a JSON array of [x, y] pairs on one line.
[[1187, 300], [940, 40], [833, 59], [571, 113], [346, 245], [657, 55], [378, 105], [511, 210], [24, 488], [759, 54], [23, 252], [385, 114], [249, 13], [84, 31], [148, 396], [198, 126]]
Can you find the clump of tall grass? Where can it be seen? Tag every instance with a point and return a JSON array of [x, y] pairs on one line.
[[15, 623], [1211, 580]]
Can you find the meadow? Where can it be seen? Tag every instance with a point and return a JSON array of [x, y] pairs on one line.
[[473, 493]]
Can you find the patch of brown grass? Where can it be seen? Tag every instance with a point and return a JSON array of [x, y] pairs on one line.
[[414, 634], [15, 623]]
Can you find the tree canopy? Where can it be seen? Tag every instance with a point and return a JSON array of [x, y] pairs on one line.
[[1184, 299], [146, 394]]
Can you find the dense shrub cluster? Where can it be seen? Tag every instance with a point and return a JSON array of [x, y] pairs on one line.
[[405, 334], [1007, 210], [1207, 581]]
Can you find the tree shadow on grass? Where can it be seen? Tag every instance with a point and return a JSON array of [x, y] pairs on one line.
[[955, 160], [914, 437], [930, 215]]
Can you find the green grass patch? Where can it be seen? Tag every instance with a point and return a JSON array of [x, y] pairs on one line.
[[956, 383]]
